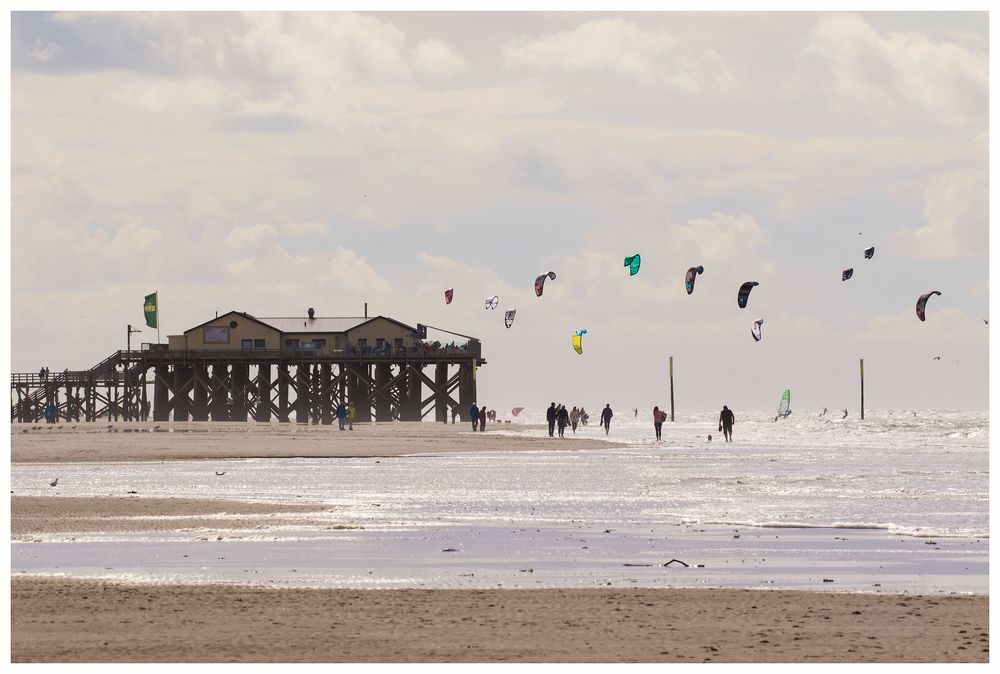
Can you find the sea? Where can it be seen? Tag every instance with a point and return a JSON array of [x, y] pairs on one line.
[[897, 502]]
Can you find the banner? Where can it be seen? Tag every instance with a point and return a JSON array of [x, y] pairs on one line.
[[149, 308]]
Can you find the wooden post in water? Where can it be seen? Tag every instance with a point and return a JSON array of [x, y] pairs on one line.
[[671, 388], [862, 389]]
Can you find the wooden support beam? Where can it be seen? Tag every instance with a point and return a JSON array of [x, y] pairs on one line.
[[262, 413], [302, 394]]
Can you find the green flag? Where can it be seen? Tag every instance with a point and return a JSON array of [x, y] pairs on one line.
[[149, 308]]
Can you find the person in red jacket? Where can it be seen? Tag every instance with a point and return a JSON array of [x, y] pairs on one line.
[[482, 418]]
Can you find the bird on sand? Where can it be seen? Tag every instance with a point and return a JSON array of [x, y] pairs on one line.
[[53, 483]]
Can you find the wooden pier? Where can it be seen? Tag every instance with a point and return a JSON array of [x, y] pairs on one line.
[[285, 385]]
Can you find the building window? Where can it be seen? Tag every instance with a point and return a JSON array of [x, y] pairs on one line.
[[292, 344], [259, 344], [399, 342], [319, 344], [246, 344]]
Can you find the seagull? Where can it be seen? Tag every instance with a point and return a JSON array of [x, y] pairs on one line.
[[986, 321], [218, 473], [53, 483], [937, 357]]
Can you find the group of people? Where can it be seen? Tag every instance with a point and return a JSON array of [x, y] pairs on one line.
[[478, 415], [345, 416], [559, 417]]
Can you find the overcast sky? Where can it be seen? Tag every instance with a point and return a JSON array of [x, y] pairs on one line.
[[273, 162]]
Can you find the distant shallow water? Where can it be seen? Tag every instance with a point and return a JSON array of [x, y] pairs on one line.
[[896, 501]]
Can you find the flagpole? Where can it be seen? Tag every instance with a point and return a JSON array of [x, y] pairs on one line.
[[157, 318]]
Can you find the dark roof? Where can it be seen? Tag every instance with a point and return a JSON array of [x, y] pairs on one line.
[[229, 313]]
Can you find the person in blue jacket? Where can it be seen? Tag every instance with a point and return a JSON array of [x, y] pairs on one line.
[[474, 415]]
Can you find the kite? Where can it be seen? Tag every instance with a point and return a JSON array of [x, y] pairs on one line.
[[690, 276], [516, 411], [492, 302], [922, 303], [578, 340], [869, 252], [448, 294], [632, 262], [936, 358], [744, 294], [540, 282], [755, 329], [846, 274], [508, 317]]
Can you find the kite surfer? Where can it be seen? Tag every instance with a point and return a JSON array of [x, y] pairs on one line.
[[606, 415], [550, 416], [726, 421]]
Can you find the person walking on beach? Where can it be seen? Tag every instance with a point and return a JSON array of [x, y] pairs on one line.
[[482, 418], [562, 418], [550, 416], [341, 415], [574, 418], [606, 415], [350, 416], [659, 416], [726, 421], [474, 415]]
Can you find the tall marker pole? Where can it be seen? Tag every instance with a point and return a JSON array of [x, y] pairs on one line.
[[862, 389], [671, 388]]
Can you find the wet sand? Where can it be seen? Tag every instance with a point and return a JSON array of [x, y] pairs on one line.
[[34, 515], [59, 620]]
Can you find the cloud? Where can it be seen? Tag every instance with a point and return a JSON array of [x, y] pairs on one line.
[[955, 217], [256, 235], [722, 237], [651, 57], [438, 58], [900, 73]]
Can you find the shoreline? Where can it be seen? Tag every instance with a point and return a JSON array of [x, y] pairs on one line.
[[68, 620]]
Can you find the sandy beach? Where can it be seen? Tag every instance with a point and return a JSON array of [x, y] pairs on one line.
[[60, 620], [63, 619], [134, 441]]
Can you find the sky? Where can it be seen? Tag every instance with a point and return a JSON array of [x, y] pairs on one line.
[[270, 162]]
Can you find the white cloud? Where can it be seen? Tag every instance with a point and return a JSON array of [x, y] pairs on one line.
[[955, 217], [887, 75], [255, 235], [721, 237], [438, 58], [650, 56]]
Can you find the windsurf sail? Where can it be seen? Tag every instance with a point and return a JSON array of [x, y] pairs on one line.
[[785, 406]]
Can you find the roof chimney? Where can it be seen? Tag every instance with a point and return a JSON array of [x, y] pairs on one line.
[[312, 313], [366, 309]]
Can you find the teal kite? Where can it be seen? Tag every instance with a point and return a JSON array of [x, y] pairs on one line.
[[632, 262]]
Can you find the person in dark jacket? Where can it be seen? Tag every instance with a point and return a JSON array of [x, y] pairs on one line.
[[726, 421], [606, 415], [550, 416], [562, 418], [341, 415], [474, 415], [482, 418]]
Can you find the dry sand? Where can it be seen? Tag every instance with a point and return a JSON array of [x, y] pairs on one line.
[[57, 620], [69, 620], [76, 442]]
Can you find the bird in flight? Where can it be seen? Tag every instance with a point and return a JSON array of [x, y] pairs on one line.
[[218, 473]]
